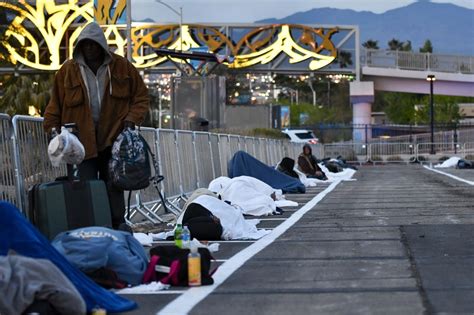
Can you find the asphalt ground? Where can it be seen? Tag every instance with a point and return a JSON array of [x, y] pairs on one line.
[[357, 251]]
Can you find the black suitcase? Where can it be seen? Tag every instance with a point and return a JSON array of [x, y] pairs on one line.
[[68, 203]]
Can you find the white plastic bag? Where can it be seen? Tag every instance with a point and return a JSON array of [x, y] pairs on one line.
[[65, 148]]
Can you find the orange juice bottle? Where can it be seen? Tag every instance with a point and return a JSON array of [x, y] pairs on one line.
[[194, 267]]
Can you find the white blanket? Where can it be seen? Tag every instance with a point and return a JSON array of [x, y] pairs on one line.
[[233, 223], [250, 194], [451, 162], [347, 173]]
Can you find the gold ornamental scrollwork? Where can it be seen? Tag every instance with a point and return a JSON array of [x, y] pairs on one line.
[[51, 22], [44, 30]]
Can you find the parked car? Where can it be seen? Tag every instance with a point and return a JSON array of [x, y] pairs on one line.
[[301, 136]]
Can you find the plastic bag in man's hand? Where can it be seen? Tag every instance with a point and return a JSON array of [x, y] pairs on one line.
[[65, 148]]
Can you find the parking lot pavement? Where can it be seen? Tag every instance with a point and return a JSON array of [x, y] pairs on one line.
[[347, 254], [444, 260], [467, 174]]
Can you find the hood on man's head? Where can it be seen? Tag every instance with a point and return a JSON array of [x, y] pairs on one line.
[[309, 147], [93, 32]]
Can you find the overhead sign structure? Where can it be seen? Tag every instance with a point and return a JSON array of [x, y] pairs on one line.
[[47, 33]]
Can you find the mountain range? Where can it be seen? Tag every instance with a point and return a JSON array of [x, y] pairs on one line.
[[450, 28]]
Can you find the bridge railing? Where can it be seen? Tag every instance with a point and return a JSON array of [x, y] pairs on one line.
[[407, 60]]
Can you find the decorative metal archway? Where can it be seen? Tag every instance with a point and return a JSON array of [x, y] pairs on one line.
[[46, 34]]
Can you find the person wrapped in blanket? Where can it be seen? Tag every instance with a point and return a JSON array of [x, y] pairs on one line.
[[308, 164], [209, 218]]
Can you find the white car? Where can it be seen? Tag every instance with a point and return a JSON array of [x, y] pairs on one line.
[[301, 136]]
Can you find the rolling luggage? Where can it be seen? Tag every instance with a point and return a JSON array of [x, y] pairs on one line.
[[68, 203]]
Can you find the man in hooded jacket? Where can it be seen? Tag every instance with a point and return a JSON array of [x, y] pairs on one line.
[[103, 94], [308, 164]]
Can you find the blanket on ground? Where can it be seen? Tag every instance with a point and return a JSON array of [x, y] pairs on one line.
[[233, 222], [243, 163], [18, 234]]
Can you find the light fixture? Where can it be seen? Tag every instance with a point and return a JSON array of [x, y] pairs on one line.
[[430, 77]]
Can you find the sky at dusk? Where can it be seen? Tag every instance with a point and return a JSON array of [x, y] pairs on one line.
[[247, 11]]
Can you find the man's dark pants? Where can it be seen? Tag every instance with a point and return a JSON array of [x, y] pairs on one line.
[[97, 168]]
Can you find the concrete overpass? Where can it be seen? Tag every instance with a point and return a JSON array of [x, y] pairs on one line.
[[399, 71]]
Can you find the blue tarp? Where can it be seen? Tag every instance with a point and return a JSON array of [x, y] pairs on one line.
[[243, 163], [17, 234]]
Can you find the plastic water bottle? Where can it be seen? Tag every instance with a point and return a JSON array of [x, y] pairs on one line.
[[194, 267], [178, 236], [186, 237]]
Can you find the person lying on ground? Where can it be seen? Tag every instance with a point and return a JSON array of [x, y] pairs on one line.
[[209, 218], [286, 166], [251, 195]]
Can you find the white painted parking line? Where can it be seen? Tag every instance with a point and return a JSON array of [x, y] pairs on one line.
[[185, 302], [175, 292], [450, 175], [274, 219]]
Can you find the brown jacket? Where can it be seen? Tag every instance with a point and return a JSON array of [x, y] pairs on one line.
[[127, 99], [308, 164]]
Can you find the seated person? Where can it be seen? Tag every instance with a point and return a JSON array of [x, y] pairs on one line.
[[286, 167], [308, 164]]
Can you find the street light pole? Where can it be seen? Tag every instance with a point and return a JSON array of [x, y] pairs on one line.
[[180, 14], [129, 30], [431, 78]]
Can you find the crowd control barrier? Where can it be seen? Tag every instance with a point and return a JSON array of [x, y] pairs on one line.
[[188, 160]]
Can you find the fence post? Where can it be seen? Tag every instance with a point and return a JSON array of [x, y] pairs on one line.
[[455, 138], [366, 135]]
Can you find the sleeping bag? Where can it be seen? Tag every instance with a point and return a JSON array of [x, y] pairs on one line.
[[243, 163], [17, 234]]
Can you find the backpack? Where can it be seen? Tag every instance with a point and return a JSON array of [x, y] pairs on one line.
[[169, 265], [92, 248], [129, 166]]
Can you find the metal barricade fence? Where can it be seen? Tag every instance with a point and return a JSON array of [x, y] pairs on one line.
[[31, 156], [225, 153], [272, 152], [147, 202], [437, 152], [234, 145], [242, 144], [250, 145], [281, 152], [468, 150], [8, 190], [149, 194], [295, 150], [392, 152], [187, 161], [316, 149], [215, 155], [168, 161], [204, 159], [260, 150], [355, 152]]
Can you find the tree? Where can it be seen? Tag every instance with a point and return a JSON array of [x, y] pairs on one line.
[[427, 47], [344, 58], [400, 107], [20, 92], [371, 44], [406, 46], [446, 109], [395, 44]]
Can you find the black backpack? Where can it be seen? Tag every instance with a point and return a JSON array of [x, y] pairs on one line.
[[129, 166], [169, 265]]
